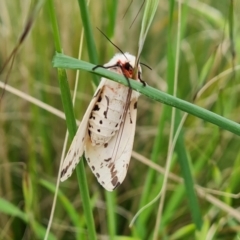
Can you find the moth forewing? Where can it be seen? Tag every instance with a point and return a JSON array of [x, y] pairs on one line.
[[107, 130], [77, 146], [110, 162]]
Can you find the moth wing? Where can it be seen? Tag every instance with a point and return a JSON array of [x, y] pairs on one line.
[[110, 162], [77, 146]]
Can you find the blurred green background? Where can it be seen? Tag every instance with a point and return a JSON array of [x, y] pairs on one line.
[[31, 139]]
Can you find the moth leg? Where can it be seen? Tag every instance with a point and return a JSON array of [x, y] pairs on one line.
[[142, 81], [102, 66]]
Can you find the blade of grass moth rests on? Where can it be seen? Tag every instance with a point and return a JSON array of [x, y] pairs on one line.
[[106, 133]]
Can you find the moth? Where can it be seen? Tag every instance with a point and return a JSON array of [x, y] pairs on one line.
[[106, 133]]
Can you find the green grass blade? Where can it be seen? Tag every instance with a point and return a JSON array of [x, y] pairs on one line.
[[149, 12], [72, 128], [187, 176], [111, 203], [10, 209], [112, 10], [62, 61], [92, 51], [67, 204], [149, 181]]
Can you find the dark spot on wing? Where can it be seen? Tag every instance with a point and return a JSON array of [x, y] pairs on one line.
[[88, 159], [130, 117], [113, 171], [105, 145], [93, 168], [100, 98], [115, 182], [105, 112], [116, 125], [117, 185], [96, 108], [63, 172], [107, 98], [110, 165], [114, 176], [97, 174], [135, 105], [99, 130], [100, 121], [107, 160]]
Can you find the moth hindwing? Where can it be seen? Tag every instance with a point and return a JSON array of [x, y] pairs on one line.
[[107, 130]]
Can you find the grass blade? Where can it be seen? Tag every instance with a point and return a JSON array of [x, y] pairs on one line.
[[63, 61]]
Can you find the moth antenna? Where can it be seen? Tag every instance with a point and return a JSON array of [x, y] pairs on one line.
[[127, 10], [111, 42], [137, 14], [145, 65]]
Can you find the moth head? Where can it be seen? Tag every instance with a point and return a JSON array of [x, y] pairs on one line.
[[125, 62]]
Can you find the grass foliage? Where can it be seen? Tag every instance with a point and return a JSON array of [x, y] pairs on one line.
[[199, 141]]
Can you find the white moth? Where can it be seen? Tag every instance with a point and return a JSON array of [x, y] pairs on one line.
[[107, 130]]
